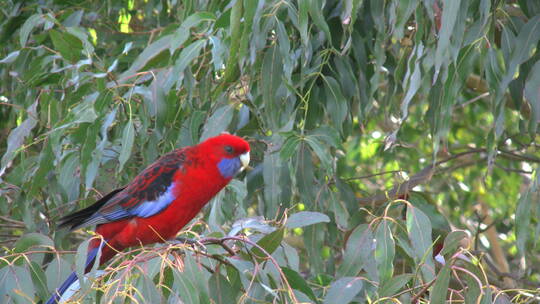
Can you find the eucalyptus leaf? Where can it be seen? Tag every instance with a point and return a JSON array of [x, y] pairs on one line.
[[306, 218]]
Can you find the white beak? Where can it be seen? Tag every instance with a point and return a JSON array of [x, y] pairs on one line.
[[244, 159]]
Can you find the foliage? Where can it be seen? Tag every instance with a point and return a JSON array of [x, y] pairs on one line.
[[383, 132]]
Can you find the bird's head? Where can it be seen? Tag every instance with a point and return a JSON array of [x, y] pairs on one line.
[[229, 152]]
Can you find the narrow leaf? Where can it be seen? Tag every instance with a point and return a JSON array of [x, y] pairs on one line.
[[440, 288], [218, 122], [128, 137], [306, 218], [419, 231], [18, 135], [343, 290], [384, 251], [269, 242], [297, 282]]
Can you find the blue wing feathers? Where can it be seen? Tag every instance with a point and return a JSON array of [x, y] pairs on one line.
[[149, 208], [142, 209]]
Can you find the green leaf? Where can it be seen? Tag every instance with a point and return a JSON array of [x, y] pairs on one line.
[[46, 165], [360, 246], [148, 291], [289, 147], [18, 135], [32, 239], [192, 282], [269, 242], [29, 25], [303, 10], [69, 46], [327, 135], [83, 112], [10, 57], [419, 231], [449, 17], [384, 251], [395, 284], [336, 105], [306, 218], [69, 176], [413, 78], [343, 290], [82, 35], [523, 215], [235, 32], [452, 240], [149, 53], [17, 284], [189, 132], [221, 291], [250, 9], [185, 286], [315, 11], [272, 70], [128, 138], [322, 153], [218, 122], [297, 282], [337, 205], [440, 288], [188, 54], [272, 178], [183, 32], [304, 175], [532, 93], [80, 263], [39, 279], [526, 40]]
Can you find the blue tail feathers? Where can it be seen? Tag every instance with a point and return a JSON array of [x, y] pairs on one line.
[[55, 297]]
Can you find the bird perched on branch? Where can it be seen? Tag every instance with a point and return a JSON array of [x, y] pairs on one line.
[[161, 200]]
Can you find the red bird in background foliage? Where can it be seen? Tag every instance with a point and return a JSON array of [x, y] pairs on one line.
[[161, 200]]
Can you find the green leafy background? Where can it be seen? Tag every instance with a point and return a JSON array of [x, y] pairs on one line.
[[381, 133]]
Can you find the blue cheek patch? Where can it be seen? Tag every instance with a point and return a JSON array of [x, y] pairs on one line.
[[228, 167]]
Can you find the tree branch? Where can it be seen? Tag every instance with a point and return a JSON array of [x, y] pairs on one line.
[[400, 189], [419, 178]]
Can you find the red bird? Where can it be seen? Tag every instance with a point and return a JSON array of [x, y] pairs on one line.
[[160, 200]]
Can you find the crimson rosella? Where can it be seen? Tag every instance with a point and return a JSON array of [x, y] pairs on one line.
[[161, 200]]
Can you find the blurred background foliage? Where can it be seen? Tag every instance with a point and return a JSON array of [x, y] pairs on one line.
[[382, 131]]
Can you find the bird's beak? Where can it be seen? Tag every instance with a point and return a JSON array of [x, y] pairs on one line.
[[244, 159]]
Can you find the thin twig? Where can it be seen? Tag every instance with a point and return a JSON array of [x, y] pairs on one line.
[[468, 102], [513, 170], [414, 300], [271, 258], [526, 157], [9, 220], [371, 175], [417, 179]]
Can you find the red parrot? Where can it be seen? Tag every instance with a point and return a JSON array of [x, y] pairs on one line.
[[161, 200]]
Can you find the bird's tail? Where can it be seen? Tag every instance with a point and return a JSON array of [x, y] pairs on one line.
[[95, 246]]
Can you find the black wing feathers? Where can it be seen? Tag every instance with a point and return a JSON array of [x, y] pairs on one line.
[[76, 218]]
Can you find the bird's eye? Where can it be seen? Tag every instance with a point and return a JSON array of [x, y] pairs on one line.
[[229, 149]]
